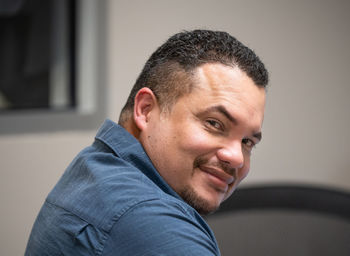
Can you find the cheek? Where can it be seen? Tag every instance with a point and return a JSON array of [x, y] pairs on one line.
[[194, 141], [243, 172]]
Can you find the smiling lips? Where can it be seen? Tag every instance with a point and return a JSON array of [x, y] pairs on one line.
[[220, 178]]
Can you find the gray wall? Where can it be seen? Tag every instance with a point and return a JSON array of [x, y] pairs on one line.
[[306, 130]]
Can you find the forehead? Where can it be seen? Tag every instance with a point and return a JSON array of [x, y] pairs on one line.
[[227, 86]]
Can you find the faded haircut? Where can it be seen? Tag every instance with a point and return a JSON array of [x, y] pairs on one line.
[[169, 70]]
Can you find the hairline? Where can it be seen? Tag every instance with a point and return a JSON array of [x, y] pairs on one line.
[[191, 73]]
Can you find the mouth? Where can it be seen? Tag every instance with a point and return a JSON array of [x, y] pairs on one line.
[[220, 179]]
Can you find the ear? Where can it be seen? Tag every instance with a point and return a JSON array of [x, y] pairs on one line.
[[145, 103]]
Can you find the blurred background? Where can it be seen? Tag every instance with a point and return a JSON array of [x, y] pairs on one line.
[[82, 58]]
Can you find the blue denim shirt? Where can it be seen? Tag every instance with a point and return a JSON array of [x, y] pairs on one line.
[[112, 201]]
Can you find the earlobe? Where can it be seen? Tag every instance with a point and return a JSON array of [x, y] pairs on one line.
[[145, 102]]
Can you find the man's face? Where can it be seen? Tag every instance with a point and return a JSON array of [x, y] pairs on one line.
[[202, 147]]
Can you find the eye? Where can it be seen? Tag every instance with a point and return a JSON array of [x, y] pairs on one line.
[[212, 123], [248, 143]]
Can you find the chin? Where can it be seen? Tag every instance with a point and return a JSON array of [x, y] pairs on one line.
[[201, 204]]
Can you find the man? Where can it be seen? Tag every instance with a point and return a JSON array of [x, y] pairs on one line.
[[183, 145]]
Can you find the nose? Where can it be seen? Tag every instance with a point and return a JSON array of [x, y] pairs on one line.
[[231, 154]]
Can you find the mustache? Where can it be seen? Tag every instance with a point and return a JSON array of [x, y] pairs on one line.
[[223, 166]]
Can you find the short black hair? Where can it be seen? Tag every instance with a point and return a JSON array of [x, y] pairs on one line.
[[185, 51]]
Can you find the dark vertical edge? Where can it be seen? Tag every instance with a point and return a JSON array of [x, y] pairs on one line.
[[72, 30]]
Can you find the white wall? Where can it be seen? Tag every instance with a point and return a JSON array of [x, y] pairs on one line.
[[306, 131]]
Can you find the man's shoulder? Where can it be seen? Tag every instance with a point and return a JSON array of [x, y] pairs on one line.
[[160, 226], [160, 209], [99, 187], [154, 224]]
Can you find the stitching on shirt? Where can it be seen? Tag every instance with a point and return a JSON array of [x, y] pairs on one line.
[[166, 200], [98, 250], [123, 212], [117, 217]]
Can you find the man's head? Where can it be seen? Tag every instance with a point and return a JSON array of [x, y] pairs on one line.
[[197, 108], [169, 70]]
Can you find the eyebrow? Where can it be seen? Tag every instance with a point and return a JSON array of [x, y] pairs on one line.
[[221, 109]]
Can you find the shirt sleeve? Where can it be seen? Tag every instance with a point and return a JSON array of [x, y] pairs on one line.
[[158, 227]]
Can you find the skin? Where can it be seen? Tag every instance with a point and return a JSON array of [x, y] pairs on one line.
[[202, 148]]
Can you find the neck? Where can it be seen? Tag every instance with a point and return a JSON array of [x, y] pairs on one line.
[[130, 126]]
